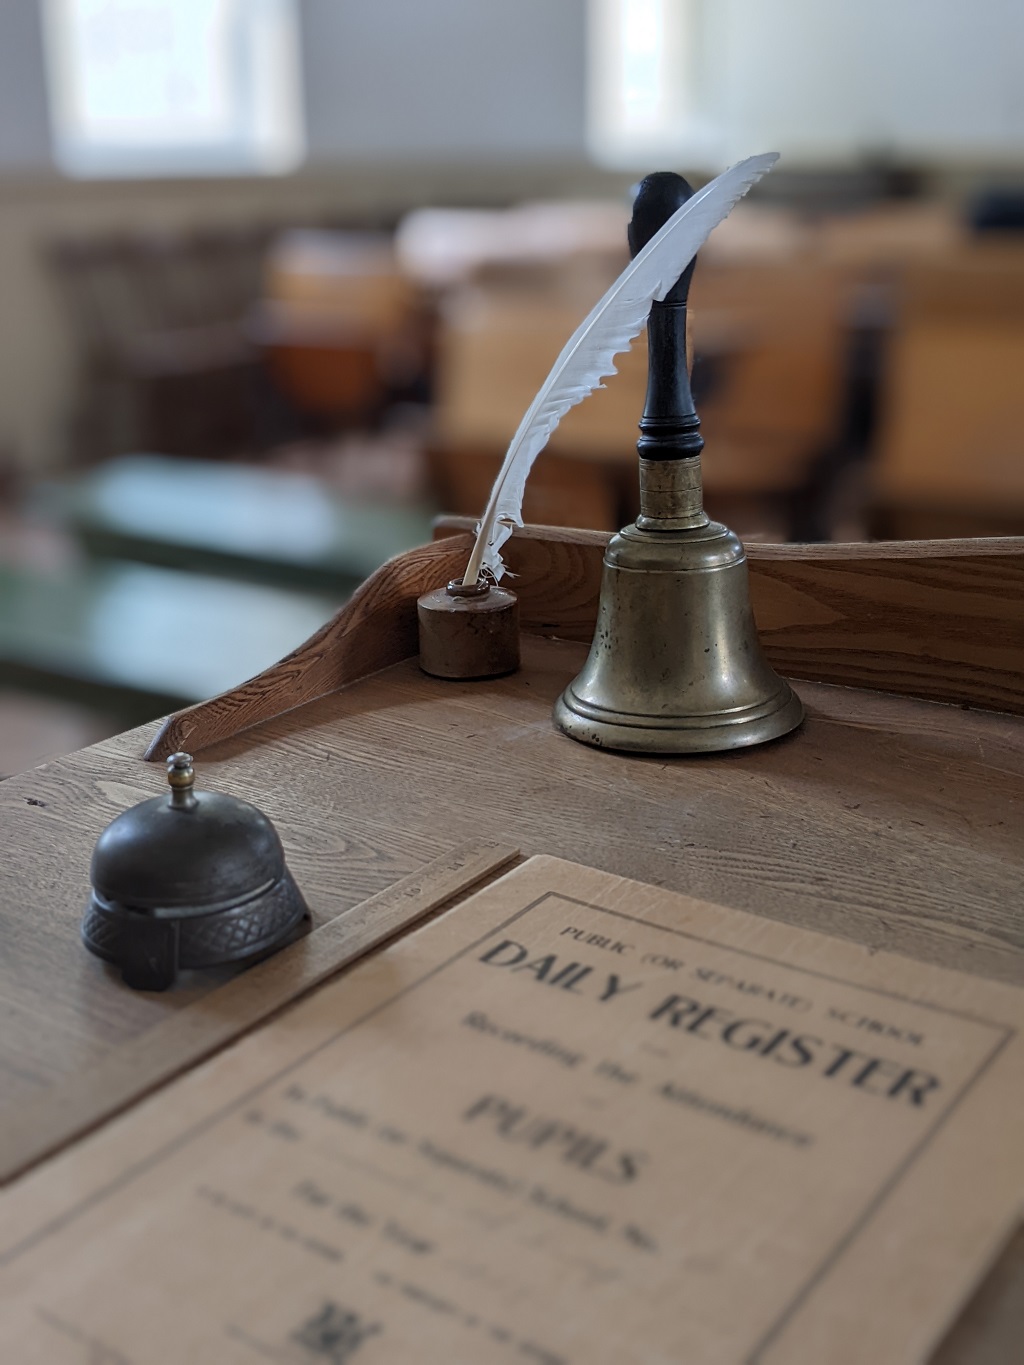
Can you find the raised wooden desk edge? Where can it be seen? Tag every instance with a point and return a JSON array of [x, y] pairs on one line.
[[940, 620]]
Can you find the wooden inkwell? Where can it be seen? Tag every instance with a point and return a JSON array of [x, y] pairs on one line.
[[469, 632]]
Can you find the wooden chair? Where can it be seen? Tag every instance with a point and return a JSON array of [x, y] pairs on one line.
[[950, 454], [768, 345], [889, 237], [772, 403], [159, 319], [340, 324], [495, 348]]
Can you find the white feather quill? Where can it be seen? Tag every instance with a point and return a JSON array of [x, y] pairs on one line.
[[589, 354]]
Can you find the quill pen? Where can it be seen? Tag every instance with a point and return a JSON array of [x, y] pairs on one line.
[[589, 354]]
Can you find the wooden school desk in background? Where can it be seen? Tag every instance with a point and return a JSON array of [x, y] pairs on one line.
[[767, 343]]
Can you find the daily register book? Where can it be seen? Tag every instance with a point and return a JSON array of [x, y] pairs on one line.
[[574, 1120]]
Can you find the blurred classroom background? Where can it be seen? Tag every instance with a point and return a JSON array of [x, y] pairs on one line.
[[278, 279]]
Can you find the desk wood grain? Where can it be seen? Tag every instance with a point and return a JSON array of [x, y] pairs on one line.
[[893, 822]]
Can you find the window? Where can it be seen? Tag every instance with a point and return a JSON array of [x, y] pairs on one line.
[[174, 87], [645, 90]]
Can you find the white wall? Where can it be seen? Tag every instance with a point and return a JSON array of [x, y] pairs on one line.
[[24, 120], [452, 80], [821, 80]]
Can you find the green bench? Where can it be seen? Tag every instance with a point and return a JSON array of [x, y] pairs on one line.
[[198, 575], [262, 525], [135, 641]]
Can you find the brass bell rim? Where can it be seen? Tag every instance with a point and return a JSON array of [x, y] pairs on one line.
[[707, 732], [736, 715]]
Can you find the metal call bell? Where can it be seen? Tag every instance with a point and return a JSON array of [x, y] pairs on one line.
[[676, 666], [188, 879]]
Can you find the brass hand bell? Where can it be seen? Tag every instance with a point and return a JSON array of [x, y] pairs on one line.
[[676, 665]]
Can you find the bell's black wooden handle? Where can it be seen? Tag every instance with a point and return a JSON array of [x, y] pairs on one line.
[[670, 427]]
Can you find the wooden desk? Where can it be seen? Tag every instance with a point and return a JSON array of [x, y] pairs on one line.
[[890, 821]]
